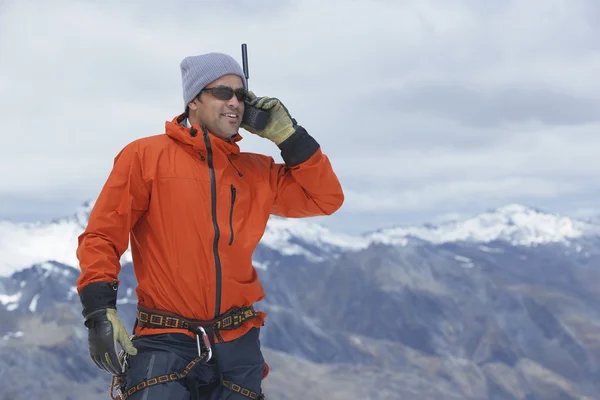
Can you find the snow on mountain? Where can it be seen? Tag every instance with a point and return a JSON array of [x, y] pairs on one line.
[[25, 244], [514, 223], [295, 236], [35, 287]]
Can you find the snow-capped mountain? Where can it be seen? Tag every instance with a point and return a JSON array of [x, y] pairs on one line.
[[47, 253], [297, 237], [35, 288], [514, 224], [26, 244], [502, 305]]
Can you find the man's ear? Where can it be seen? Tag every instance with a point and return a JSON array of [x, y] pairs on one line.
[[193, 105]]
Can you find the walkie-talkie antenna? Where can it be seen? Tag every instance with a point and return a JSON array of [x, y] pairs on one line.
[[245, 60], [253, 117]]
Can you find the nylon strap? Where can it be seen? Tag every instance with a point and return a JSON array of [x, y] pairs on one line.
[[243, 391], [174, 376], [232, 319]]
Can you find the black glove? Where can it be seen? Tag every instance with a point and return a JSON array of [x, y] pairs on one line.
[[104, 331], [104, 327]]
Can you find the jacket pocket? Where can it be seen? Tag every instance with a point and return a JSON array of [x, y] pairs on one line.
[[232, 233]]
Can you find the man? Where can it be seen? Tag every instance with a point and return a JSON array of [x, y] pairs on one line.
[[193, 209]]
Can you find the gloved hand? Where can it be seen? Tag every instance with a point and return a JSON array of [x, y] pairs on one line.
[[104, 331], [281, 125]]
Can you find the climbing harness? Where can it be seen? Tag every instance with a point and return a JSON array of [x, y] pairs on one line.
[[201, 329]]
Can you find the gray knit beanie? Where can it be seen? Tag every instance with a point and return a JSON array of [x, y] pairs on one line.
[[199, 71]]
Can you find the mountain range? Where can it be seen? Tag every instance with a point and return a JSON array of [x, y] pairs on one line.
[[502, 305]]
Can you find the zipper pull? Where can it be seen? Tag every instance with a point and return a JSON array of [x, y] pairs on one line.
[[234, 167]]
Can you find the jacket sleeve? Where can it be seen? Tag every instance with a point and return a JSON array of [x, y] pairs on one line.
[[122, 200], [306, 185]]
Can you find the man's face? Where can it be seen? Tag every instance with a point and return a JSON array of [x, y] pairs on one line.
[[221, 117]]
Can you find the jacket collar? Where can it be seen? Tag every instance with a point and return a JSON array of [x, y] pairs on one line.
[[179, 129]]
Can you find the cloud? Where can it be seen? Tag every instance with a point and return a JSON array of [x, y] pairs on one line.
[[419, 104], [499, 106], [454, 194]]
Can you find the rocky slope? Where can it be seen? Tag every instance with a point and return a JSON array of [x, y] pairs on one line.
[[504, 305]]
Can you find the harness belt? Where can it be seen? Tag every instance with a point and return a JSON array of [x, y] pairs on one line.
[[231, 319], [152, 318]]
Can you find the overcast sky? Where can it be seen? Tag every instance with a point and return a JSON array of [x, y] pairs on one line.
[[427, 109]]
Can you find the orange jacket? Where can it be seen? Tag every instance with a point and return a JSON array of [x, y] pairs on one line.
[[193, 209]]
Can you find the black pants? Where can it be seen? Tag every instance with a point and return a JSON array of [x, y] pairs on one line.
[[239, 361]]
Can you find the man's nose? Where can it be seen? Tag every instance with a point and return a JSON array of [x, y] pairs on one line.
[[233, 102]]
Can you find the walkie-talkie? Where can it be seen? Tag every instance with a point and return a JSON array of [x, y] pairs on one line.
[[254, 117]]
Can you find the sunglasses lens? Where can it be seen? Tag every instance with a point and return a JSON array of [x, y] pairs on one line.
[[226, 93], [241, 94], [222, 93]]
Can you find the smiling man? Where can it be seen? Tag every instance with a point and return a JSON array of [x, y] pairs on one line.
[[194, 207], [220, 116]]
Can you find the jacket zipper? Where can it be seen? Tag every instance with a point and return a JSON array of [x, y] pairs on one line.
[[234, 167], [213, 198], [233, 191]]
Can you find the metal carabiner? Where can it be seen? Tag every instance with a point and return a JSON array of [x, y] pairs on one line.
[[206, 343]]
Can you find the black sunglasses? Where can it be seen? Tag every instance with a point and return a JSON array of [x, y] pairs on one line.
[[226, 93]]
